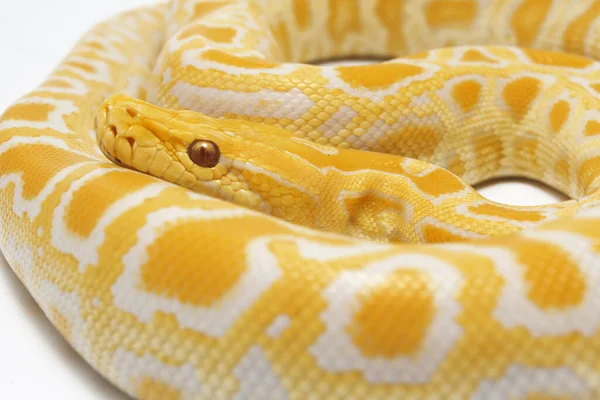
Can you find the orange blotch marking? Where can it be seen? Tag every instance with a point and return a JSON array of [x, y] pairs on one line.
[[153, 389], [57, 84], [555, 59], [506, 212], [405, 301], [142, 94], [457, 166], [559, 115], [589, 171], [85, 67], [443, 13], [344, 18], [281, 34], [577, 31], [215, 34], [528, 19], [203, 277], [95, 197], [595, 86], [476, 56], [438, 182], [302, 13], [242, 62], [390, 15], [592, 128], [520, 94], [96, 45], [38, 164], [32, 112], [204, 8], [436, 234], [418, 56], [467, 94], [377, 76], [553, 279]]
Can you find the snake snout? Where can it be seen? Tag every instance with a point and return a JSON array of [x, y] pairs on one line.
[[113, 123], [123, 132]]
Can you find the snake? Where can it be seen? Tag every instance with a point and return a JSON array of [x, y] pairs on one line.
[[205, 210]]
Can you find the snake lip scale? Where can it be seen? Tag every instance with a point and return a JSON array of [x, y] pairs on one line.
[[203, 214]]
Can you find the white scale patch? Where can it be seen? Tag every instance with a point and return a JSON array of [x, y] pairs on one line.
[[279, 325], [20, 257], [323, 149], [321, 252], [264, 103], [133, 369], [338, 121], [334, 350], [520, 381], [50, 296], [257, 378]]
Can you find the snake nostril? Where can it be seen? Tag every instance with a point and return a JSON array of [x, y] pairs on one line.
[[131, 141], [113, 129], [132, 112]]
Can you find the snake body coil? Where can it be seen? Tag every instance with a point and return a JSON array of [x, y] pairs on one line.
[[319, 258]]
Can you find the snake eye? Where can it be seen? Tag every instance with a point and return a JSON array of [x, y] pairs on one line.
[[204, 153]]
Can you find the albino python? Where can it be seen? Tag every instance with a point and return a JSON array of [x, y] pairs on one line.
[[315, 257]]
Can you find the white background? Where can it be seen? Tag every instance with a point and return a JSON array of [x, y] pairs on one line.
[[34, 360]]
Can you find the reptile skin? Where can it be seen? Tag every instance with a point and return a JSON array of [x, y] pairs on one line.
[[335, 250]]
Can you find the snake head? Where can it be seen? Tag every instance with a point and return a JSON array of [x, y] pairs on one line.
[[158, 141], [182, 147]]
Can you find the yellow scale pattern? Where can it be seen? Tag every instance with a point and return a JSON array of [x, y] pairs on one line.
[[318, 258]]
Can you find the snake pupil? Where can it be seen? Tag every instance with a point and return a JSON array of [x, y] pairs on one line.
[[204, 153]]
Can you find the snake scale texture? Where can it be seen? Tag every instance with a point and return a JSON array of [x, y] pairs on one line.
[[204, 215]]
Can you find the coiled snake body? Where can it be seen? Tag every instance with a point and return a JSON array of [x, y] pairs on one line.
[[302, 263]]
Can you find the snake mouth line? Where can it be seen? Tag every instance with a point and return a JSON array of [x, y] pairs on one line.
[[109, 156], [104, 129], [112, 124]]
